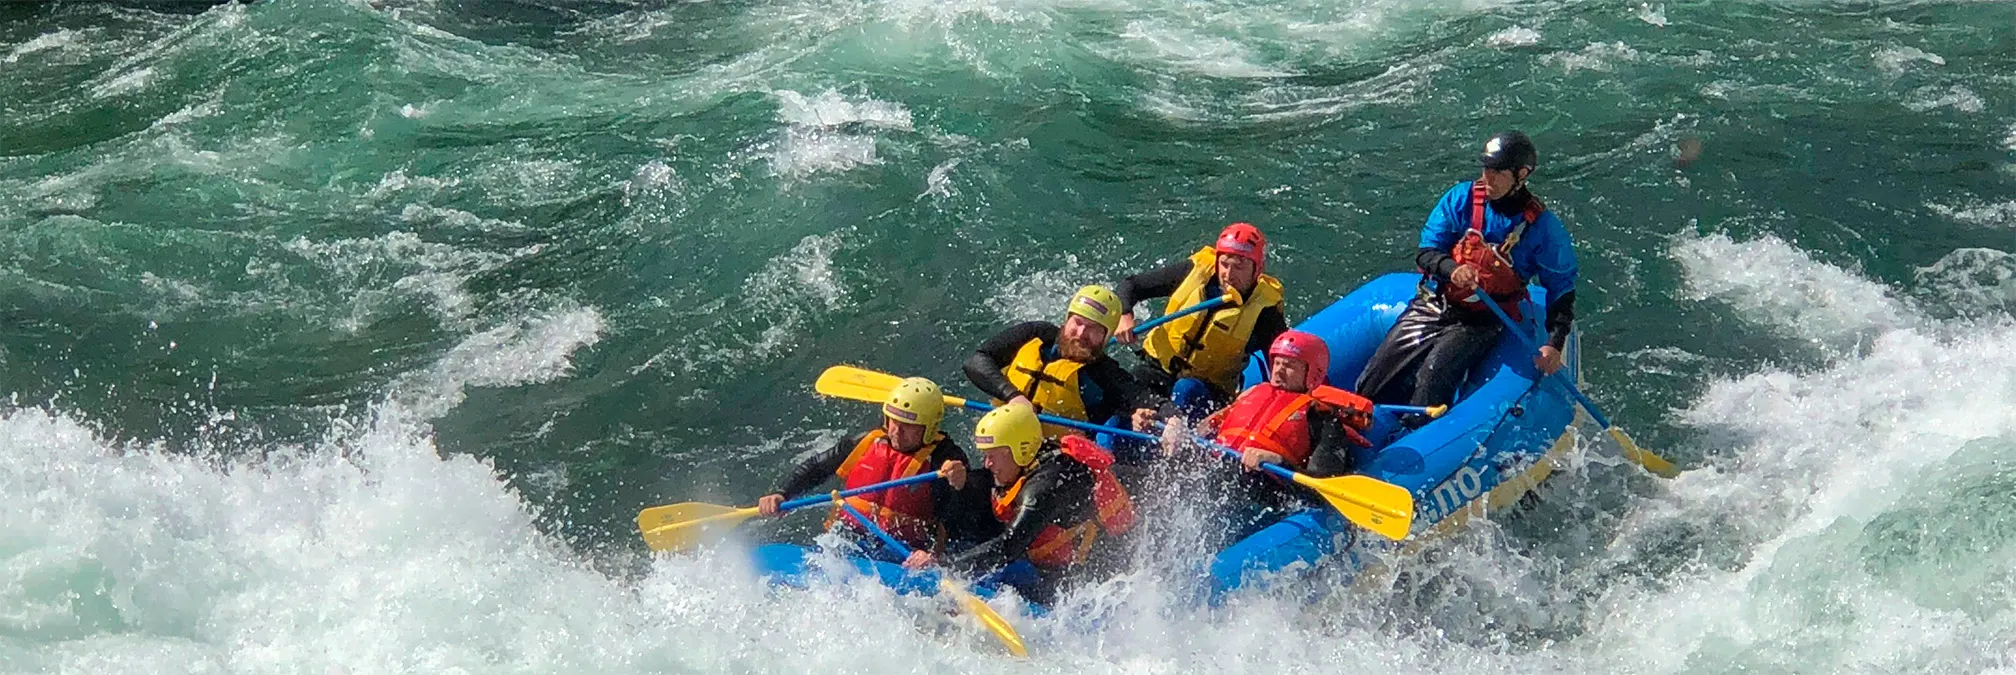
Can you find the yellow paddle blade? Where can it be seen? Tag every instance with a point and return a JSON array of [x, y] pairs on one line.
[[1653, 463], [1435, 411], [862, 384], [1373, 504], [859, 384], [687, 525], [990, 619]]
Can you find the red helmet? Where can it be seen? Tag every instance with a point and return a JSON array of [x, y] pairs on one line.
[[1308, 349], [1245, 241]]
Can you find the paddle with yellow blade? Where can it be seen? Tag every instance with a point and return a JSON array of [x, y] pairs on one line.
[[687, 525], [1374, 504], [970, 603], [1653, 463]]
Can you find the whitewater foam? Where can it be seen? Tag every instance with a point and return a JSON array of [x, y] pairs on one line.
[[1816, 302], [1894, 61], [1971, 282], [61, 38], [1601, 57], [1398, 85], [533, 181], [1652, 14], [398, 182], [1154, 42], [830, 132], [2002, 215], [782, 299], [1957, 97], [1040, 296], [374, 274], [1516, 36], [366, 552], [457, 219], [938, 184], [524, 350], [654, 180], [1814, 473]]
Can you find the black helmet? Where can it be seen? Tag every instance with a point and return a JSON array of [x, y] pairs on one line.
[[1509, 150]]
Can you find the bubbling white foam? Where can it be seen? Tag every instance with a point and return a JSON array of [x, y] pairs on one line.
[[1815, 476]]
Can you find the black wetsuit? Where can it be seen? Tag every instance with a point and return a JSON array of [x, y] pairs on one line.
[[953, 508], [1106, 388], [1057, 491]]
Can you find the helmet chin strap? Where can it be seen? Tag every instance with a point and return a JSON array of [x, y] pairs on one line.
[[1518, 183]]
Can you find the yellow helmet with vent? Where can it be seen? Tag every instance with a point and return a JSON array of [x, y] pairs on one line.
[[916, 400], [1098, 303], [1013, 426]]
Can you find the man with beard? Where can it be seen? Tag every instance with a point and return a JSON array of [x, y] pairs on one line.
[[1490, 235], [1064, 370]]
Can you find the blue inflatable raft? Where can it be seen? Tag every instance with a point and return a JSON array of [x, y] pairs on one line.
[[1486, 452]]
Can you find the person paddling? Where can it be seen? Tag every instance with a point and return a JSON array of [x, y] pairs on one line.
[[1197, 360], [907, 443], [1491, 234], [1292, 419], [1057, 498], [1063, 370]]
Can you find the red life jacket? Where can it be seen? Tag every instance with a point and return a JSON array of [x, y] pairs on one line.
[[1277, 420], [1057, 547], [905, 512], [1494, 263]]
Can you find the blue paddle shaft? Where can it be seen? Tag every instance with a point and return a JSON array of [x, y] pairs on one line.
[[872, 528], [816, 500], [1150, 324], [1068, 422], [1534, 345], [1220, 450], [1281, 472], [1136, 435]]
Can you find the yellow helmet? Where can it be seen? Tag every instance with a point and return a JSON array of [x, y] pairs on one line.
[[1013, 426], [1098, 303], [916, 400]]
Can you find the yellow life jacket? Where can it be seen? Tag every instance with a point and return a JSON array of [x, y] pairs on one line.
[[1210, 346], [1051, 385]]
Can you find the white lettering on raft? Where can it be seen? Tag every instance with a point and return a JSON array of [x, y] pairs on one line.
[[1466, 485]]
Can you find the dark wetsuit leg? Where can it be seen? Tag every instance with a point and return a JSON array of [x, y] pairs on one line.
[[1425, 356], [1387, 377], [1455, 351]]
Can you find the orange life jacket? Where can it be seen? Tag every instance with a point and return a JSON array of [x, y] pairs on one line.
[[1494, 263], [1057, 547], [906, 512], [1277, 420]]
